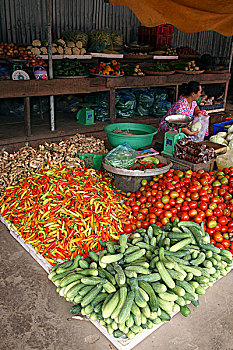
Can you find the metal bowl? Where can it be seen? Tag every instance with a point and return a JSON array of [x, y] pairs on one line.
[[179, 120]]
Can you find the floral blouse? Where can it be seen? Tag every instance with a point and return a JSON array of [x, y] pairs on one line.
[[179, 107]]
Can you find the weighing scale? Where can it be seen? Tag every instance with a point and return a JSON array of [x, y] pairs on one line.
[[171, 137], [85, 116]]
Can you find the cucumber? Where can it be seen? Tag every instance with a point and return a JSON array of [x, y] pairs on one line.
[[200, 290], [153, 277], [108, 275], [51, 275], [179, 291], [123, 243], [186, 286], [125, 311], [193, 270], [131, 250], [189, 276], [92, 281], [83, 264], [176, 308], [176, 275], [138, 269], [76, 309], [101, 255], [153, 303], [168, 296], [180, 245], [211, 247], [109, 287], [188, 224], [146, 311], [85, 290], [94, 256], [134, 256], [138, 298], [150, 232], [195, 302], [91, 295], [199, 260], [180, 301], [135, 309], [226, 253], [197, 234], [70, 278], [185, 311], [90, 272], [108, 309], [69, 286], [117, 333], [178, 235], [99, 298], [72, 292], [190, 297], [108, 259], [146, 239], [165, 276], [60, 276], [120, 276], [166, 305], [77, 299], [144, 294], [130, 321], [122, 299], [130, 274]]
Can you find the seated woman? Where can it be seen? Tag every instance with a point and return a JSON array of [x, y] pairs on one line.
[[187, 105]]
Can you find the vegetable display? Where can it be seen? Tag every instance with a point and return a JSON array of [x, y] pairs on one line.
[[14, 166], [59, 47], [68, 67], [64, 211], [196, 196], [224, 137], [139, 282], [113, 68]]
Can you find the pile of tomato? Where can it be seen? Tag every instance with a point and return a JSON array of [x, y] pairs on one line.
[[196, 196]]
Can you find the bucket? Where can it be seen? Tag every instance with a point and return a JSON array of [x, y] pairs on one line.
[[40, 73]]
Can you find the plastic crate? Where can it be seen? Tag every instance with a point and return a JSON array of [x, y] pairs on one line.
[[211, 107], [164, 29], [163, 40], [92, 160], [221, 126]]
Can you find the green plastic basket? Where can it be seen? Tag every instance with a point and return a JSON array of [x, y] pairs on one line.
[[92, 160]]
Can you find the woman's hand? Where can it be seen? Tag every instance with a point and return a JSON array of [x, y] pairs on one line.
[[188, 132]]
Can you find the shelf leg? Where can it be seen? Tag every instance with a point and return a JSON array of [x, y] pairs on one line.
[[27, 116], [111, 107], [41, 108]]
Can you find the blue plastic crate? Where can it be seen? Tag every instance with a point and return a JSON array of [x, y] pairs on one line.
[[221, 126], [211, 107]]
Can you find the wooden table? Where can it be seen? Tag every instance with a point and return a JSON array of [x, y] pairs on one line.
[[29, 88]]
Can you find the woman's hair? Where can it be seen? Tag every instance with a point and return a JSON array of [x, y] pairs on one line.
[[188, 89]]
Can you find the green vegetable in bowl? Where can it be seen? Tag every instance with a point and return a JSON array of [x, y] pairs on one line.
[[150, 159]]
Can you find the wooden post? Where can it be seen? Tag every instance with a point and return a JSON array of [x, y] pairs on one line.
[[111, 107], [27, 116], [41, 108]]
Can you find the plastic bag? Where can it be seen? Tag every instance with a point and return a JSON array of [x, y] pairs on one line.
[[123, 156], [204, 120], [142, 111], [225, 160], [126, 102], [145, 99]]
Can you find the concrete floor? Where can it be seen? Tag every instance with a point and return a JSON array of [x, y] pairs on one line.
[[34, 317]]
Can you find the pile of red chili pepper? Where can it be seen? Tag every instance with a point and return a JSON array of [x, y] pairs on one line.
[[64, 211], [144, 166]]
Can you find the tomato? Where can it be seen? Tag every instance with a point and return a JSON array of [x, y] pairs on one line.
[[145, 224], [174, 211], [170, 187], [194, 196], [165, 220], [192, 205], [192, 212], [208, 212], [212, 241], [168, 214], [169, 174], [128, 228], [167, 206], [165, 199], [217, 236], [226, 243], [179, 200], [202, 214], [211, 223], [210, 231], [193, 189], [138, 224], [159, 205], [178, 206], [143, 199], [144, 182], [138, 194], [213, 206], [159, 212], [184, 216], [140, 217], [135, 208], [174, 194], [218, 212], [203, 205], [204, 198], [222, 220], [198, 219], [172, 202], [152, 221], [144, 211], [225, 235]]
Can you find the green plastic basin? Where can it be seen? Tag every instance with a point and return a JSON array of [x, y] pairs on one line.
[[142, 134]]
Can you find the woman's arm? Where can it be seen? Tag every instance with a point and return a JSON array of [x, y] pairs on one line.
[[197, 111], [188, 132]]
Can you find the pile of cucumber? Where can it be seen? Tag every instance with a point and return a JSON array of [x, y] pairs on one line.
[[142, 280]]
